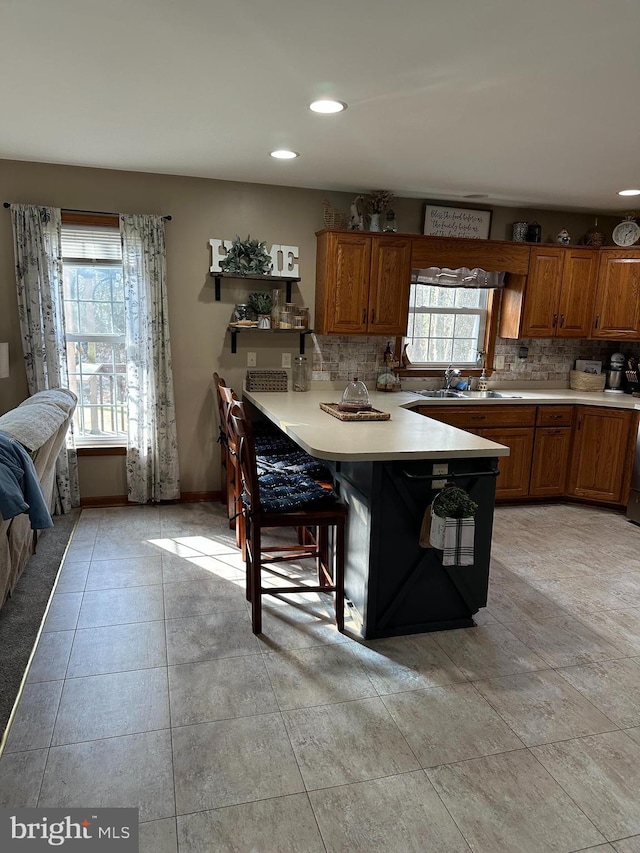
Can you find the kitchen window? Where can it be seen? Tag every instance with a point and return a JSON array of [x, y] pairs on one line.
[[94, 311], [449, 325]]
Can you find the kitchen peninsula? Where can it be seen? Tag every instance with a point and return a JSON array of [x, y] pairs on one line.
[[384, 471]]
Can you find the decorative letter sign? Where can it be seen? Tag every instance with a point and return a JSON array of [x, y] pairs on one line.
[[282, 257]]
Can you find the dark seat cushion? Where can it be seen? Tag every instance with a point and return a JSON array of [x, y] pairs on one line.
[[295, 462], [286, 492]]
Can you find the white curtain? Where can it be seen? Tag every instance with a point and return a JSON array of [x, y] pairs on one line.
[[38, 255], [152, 447]]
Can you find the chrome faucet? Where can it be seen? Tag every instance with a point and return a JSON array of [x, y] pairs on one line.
[[450, 374]]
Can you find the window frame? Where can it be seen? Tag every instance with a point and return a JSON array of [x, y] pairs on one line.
[[488, 344], [109, 444]]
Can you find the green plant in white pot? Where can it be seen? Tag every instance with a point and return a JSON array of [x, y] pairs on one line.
[[262, 303], [452, 527]]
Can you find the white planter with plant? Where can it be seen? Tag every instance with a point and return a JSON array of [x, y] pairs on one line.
[[452, 523], [262, 303]]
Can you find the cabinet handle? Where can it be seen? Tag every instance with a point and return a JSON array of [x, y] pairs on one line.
[[554, 432], [478, 417], [555, 417], [595, 325], [580, 422], [364, 315], [561, 320], [555, 319]]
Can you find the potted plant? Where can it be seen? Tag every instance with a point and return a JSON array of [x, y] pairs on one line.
[[452, 525], [262, 303], [247, 257]]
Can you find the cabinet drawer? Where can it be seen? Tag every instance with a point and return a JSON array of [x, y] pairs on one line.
[[554, 416], [478, 417]]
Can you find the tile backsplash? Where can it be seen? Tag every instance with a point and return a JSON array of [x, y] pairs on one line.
[[341, 357]]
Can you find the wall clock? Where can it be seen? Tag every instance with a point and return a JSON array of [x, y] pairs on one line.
[[627, 232]]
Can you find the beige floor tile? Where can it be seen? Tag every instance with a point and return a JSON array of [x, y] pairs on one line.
[[541, 707], [484, 617], [508, 803], [63, 612], [279, 824], [565, 641], [121, 772], [414, 662], [588, 595], [298, 621], [488, 651], [21, 777], [118, 546], [158, 836], [220, 689], [80, 551], [348, 742], [177, 569], [621, 628], [35, 715], [399, 813], [214, 635], [627, 845], [612, 686], [52, 656], [634, 734], [510, 602], [626, 586], [318, 676], [111, 705], [130, 571], [121, 606], [452, 723], [233, 761], [117, 648], [195, 598], [601, 774], [72, 577]]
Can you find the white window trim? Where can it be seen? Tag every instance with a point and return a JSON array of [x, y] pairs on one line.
[[482, 313]]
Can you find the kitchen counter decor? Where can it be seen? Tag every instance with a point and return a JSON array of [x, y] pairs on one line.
[[366, 415]]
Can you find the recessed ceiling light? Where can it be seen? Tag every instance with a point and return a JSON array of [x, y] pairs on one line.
[[327, 105], [628, 192], [284, 154]]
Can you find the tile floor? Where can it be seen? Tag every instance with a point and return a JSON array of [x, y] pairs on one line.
[[523, 734]]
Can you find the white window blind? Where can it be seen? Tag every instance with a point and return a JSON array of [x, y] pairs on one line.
[[91, 243]]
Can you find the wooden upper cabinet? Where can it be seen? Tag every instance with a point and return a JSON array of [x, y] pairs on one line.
[[617, 305], [556, 298], [389, 287], [362, 283], [543, 293]]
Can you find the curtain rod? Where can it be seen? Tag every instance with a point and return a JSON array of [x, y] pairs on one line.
[[96, 212]]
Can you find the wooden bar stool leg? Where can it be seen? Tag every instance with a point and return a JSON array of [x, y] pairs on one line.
[[322, 557], [338, 573], [254, 565]]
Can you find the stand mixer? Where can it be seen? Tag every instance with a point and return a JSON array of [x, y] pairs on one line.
[[614, 374]]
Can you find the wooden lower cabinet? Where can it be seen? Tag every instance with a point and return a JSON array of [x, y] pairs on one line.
[[601, 454], [550, 462], [513, 481]]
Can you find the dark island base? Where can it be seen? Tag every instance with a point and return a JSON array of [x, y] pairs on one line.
[[393, 585]]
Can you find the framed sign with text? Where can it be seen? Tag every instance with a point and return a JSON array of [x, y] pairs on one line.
[[456, 222]]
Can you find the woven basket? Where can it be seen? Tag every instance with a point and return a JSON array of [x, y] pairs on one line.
[[266, 380], [579, 381]]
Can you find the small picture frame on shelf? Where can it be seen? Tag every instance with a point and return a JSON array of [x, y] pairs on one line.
[[457, 222]]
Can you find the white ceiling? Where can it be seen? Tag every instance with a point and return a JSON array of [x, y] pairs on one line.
[[534, 102]]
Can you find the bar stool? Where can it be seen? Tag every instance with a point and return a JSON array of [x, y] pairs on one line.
[[219, 382], [278, 500]]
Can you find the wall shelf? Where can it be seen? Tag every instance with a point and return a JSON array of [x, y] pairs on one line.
[[234, 330], [287, 280]]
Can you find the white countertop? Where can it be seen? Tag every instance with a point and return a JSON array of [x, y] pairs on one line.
[[408, 435], [530, 396]]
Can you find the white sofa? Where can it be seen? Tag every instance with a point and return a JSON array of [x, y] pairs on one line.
[[40, 424]]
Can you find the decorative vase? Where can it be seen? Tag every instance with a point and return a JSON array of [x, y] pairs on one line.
[[374, 224], [264, 321]]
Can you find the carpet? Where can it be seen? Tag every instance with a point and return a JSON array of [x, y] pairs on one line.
[[21, 614]]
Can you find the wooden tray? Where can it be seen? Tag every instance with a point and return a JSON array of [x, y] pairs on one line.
[[370, 415]]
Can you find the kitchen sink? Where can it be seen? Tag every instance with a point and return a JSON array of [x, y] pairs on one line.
[[469, 395], [489, 394]]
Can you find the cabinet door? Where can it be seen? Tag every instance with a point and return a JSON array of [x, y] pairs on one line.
[[515, 469], [579, 278], [542, 293], [346, 288], [617, 305], [550, 461], [389, 286], [600, 453]]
